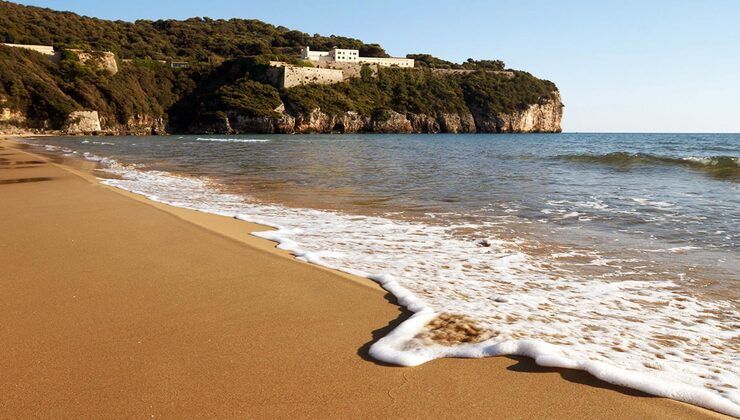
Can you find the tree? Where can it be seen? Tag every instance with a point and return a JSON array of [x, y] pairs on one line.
[[366, 73]]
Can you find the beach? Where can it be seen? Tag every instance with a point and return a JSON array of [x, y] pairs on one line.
[[116, 306]]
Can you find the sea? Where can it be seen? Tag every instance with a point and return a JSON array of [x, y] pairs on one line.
[[616, 254]]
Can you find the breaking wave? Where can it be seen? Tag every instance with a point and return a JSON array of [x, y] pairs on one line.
[[717, 166]]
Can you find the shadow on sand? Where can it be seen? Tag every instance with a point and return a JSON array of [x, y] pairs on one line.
[[24, 180], [404, 314], [527, 365]]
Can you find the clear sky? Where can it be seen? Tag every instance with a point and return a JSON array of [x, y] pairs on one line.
[[621, 65]]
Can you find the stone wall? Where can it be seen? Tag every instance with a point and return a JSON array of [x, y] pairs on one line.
[[288, 76], [388, 61], [349, 70], [43, 49]]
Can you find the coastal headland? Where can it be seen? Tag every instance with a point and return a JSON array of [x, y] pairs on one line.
[[73, 75], [114, 305]]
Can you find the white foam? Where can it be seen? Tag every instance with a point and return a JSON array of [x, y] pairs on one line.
[[648, 335], [227, 140], [105, 143], [674, 249], [646, 202], [709, 160]]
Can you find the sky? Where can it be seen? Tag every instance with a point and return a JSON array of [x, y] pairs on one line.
[[620, 65]]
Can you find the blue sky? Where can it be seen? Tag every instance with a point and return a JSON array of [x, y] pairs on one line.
[[627, 65]]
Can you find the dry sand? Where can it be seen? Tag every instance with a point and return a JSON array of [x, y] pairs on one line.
[[114, 306]]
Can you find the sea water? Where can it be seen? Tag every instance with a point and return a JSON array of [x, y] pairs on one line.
[[616, 254]]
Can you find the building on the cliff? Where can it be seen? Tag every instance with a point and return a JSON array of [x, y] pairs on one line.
[[353, 56]]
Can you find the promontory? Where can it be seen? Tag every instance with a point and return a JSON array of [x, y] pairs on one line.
[[61, 73]]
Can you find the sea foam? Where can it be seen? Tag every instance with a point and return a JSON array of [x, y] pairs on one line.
[[650, 335], [232, 140]]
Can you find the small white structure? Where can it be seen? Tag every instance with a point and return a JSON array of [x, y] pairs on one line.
[[43, 49], [339, 55]]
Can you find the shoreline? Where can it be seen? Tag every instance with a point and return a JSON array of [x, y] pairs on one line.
[[479, 385]]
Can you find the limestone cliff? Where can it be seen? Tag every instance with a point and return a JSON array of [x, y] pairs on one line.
[[544, 117], [102, 60], [82, 122]]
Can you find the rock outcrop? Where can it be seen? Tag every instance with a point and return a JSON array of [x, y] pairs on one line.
[[457, 123], [9, 116], [82, 122], [13, 122], [387, 121], [102, 60], [144, 124], [544, 117], [422, 123]]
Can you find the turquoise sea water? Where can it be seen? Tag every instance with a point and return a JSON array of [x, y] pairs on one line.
[[620, 250]]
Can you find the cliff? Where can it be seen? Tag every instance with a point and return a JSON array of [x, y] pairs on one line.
[[540, 118]]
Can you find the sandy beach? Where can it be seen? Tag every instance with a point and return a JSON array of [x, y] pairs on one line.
[[115, 306]]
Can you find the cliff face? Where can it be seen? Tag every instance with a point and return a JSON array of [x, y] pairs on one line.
[[537, 118], [82, 123]]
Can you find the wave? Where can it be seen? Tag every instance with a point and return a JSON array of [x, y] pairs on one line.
[[228, 140], [717, 166]]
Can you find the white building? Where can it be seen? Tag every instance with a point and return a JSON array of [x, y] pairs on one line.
[[353, 56]]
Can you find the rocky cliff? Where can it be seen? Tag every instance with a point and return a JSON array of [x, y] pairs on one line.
[[83, 123], [543, 117], [537, 118]]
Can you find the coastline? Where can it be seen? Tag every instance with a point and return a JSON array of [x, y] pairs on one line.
[[165, 311]]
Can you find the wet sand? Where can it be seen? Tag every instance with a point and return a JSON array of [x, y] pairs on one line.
[[115, 306]]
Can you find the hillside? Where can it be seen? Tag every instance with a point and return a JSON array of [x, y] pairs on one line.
[[226, 89]]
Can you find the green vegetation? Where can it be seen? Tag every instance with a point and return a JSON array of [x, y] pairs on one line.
[[428, 60], [28, 83], [432, 62], [48, 92], [195, 39], [254, 98], [228, 73], [397, 89], [492, 94]]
